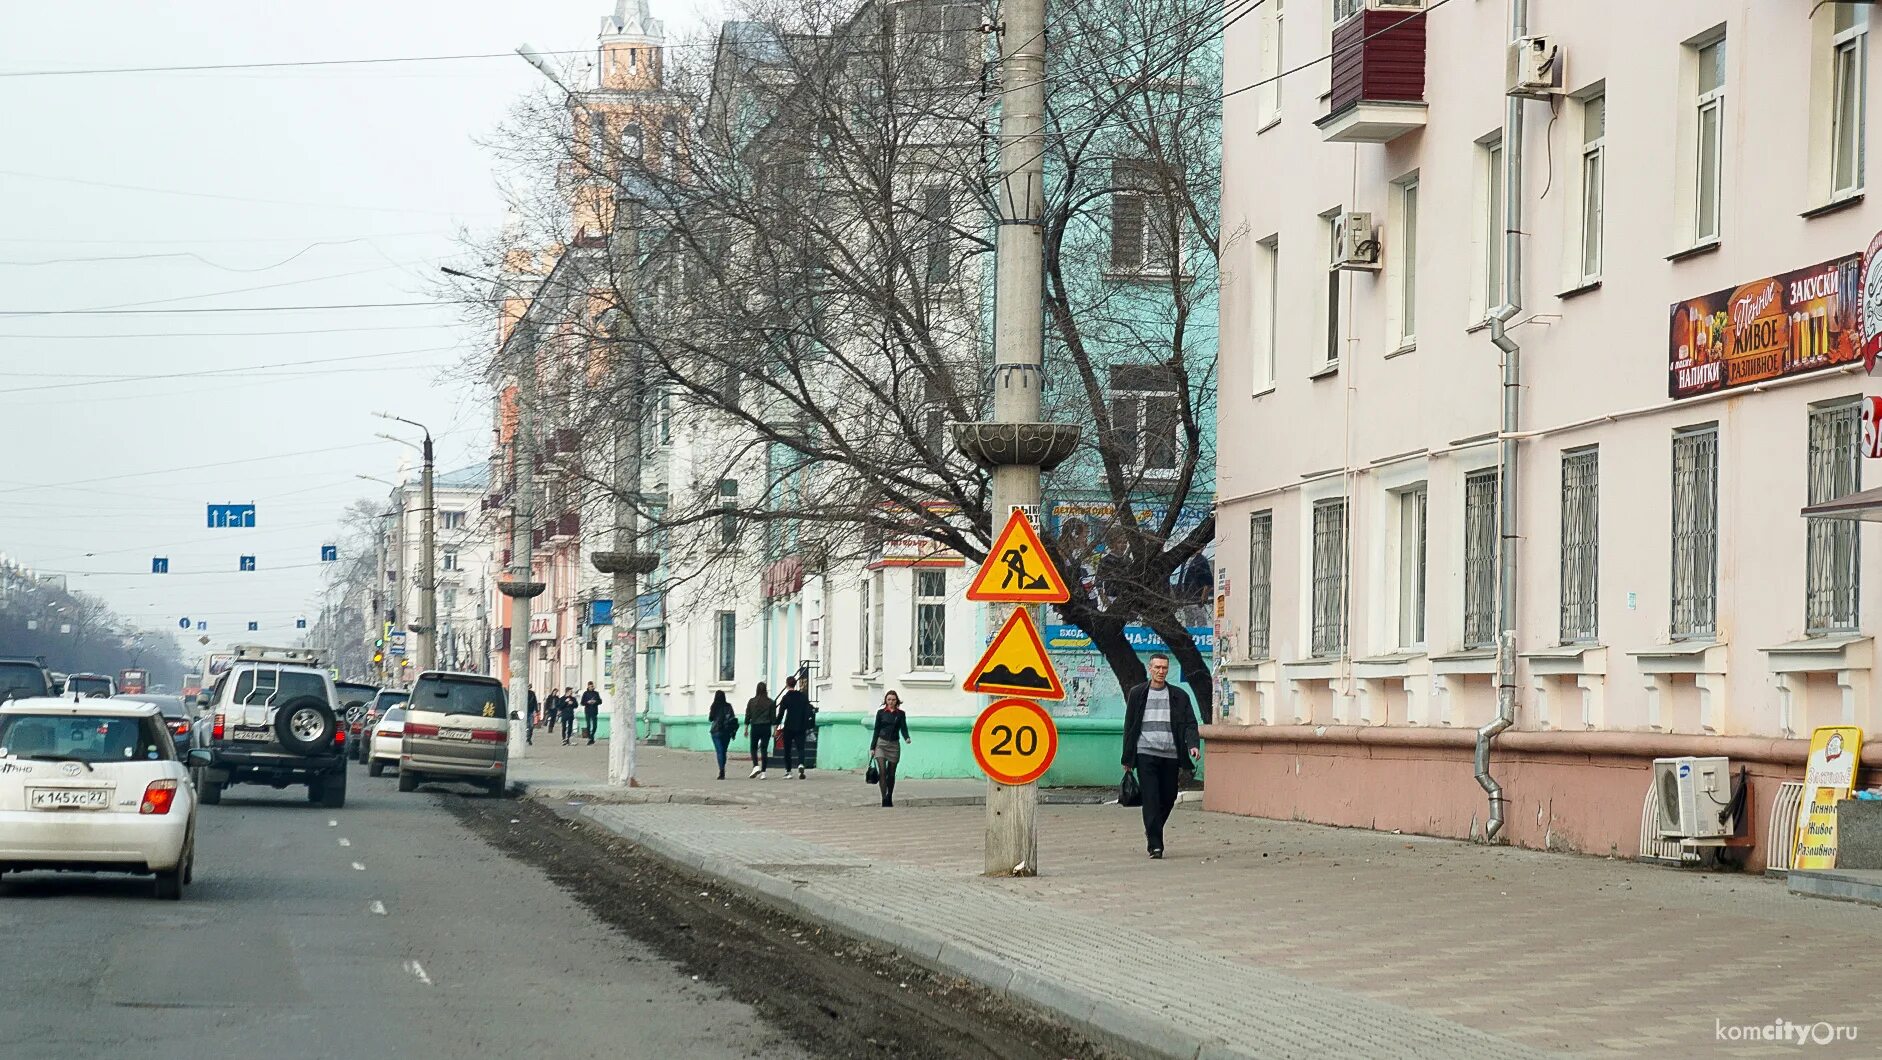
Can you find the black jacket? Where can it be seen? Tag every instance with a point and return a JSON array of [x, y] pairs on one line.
[[591, 700], [722, 718], [532, 701], [565, 705], [1182, 722], [794, 711], [891, 725]]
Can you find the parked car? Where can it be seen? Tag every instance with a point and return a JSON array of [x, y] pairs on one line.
[[94, 786], [271, 719], [22, 678], [176, 715], [456, 728], [387, 743], [384, 701], [90, 686]]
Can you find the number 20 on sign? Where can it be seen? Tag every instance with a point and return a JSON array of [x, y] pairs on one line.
[[1015, 741]]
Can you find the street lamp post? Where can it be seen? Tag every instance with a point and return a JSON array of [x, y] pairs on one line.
[[427, 626]]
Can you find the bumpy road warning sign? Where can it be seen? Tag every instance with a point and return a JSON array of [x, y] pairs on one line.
[[1015, 663], [1017, 570]]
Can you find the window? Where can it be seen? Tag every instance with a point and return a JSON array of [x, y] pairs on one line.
[[1581, 526], [864, 627], [1491, 154], [1833, 551], [447, 558], [1329, 578], [631, 142], [1710, 132], [728, 511], [875, 624], [1849, 75], [1405, 258], [1480, 559], [1411, 567], [728, 645], [1260, 584], [1334, 285], [1145, 417], [1142, 240], [1268, 101], [1695, 531], [931, 619], [449, 520], [1268, 308], [1345, 9], [447, 598], [1594, 124], [936, 210]]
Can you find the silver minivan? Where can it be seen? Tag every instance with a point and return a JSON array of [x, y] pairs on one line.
[[457, 727]]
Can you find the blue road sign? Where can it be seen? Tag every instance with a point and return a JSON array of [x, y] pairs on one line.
[[183, 623], [231, 515], [201, 627], [248, 563], [329, 553], [253, 626], [159, 564], [300, 623]]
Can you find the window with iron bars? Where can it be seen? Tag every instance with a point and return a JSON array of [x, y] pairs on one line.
[[931, 619], [1695, 531], [1260, 583], [1833, 553], [1581, 526], [1480, 559], [1329, 578]]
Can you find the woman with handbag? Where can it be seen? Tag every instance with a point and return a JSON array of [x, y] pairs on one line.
[[891, 723], [722, 723]]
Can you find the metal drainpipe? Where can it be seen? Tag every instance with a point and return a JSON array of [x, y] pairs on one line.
[[1506, 471]]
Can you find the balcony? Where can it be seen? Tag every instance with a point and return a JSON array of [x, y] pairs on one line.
[[1378, 74]]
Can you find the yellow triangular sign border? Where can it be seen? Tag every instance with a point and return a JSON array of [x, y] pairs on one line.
[[1020, 619], [1018, 526]]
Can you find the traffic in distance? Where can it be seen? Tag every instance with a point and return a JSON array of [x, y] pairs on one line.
[[102, 774]]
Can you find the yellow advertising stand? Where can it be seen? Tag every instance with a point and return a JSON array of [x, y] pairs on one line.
[[1829, 774]]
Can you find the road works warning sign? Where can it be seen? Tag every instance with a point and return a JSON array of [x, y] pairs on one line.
[[1015, 663], [1017, 570]]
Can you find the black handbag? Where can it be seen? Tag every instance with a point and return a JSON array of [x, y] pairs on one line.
[[1129, 791], [874, 775]]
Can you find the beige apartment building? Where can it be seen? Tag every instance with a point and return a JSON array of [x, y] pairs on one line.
[[1682, 346]]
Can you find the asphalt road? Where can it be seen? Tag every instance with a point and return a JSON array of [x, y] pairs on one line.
[[385, 928]]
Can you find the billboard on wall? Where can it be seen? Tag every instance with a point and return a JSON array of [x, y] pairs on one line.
[[1086, 534], [1782, 325]]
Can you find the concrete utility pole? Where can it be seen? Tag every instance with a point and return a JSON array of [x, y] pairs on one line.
[[1016, 446], [519, 588], [427, 625]]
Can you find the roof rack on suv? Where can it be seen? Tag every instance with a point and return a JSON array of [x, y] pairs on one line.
[[292, 656]]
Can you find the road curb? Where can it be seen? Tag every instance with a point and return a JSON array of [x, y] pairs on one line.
[[1105, 1019]]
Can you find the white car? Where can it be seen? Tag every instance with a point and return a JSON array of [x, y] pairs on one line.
[[388, 742], [94, 786]]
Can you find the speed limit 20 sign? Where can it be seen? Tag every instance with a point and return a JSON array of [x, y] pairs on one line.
[[1015, 741]]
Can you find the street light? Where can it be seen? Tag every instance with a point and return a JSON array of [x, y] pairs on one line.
[[427, 624]]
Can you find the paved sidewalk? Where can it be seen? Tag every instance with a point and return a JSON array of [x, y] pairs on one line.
[[1280, 938]]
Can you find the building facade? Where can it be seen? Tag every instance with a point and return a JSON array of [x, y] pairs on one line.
[[1683, 367]]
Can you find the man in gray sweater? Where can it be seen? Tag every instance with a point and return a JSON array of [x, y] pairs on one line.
[[1159, 738]]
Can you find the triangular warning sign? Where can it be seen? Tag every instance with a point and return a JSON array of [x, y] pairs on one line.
[[1016, 663], [1017, 570]]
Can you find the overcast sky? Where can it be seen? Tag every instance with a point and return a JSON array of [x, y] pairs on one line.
[[369, 173]]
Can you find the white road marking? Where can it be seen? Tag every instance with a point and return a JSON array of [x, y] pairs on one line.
[[418, 970], [377, 908], [358, 866], [333, 824], [345, 842]]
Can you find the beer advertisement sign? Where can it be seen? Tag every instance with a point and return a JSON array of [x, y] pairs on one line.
[[1767, 329]]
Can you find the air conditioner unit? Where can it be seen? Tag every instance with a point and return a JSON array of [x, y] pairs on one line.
[[1535, 68], [1355, 242], [1694, 793]]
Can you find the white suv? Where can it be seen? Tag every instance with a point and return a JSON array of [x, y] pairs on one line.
[[271, 720], [94, 786]]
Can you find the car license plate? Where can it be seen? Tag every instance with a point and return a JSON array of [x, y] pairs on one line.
[[258, 735], [454, 734], [71, 799]]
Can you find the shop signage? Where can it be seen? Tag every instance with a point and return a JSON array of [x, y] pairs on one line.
[[1872, 303], [1872, 427], [1829, 773], [542, 627], [1767, 329]]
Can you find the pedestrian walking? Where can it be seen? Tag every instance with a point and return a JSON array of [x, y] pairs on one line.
[[761, 713], [591, 710], [886, 744], [535, 712], [1159, 738], [566, 707], [795, 715], [722, 723]]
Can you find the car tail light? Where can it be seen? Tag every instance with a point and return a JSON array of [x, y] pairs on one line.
[[415, 729], [215, 731], [158, 797], [339, 735], [180, 728], [489, 735]]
